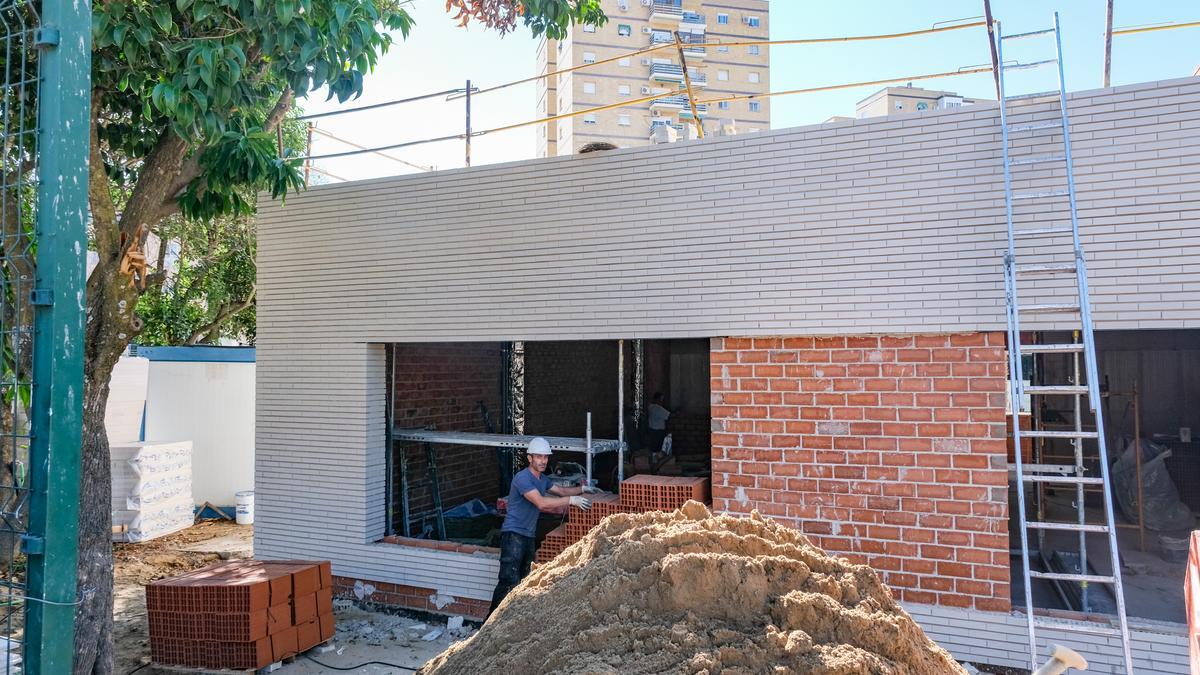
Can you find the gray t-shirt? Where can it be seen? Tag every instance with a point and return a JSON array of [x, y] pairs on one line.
[[522, 515]]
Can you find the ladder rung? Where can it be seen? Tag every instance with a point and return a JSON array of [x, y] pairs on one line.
[[1016, 128], [1081, 480], [1076, 626], [1066, 527], [1056, 389], [1040, 159], [1068, 348], [1050, 268], [1041, 195], [1067, 576], [1031, 64], [1043, 231], [1032, 33], [1049, 308], [1039, 94], [1042, 433]]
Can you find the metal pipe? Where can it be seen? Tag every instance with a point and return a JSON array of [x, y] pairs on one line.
[[1108, 33], [389, 458], [422, 97], [1137, 450], [1149, 29], [687, 83], [620, 410], [467, 138], [589, 448], [308, 151], [639, 383], [991, 33]]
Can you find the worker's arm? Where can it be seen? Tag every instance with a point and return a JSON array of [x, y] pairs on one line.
[[544, 503], [562, 491]]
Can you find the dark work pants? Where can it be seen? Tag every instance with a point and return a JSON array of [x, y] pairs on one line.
[[516, 557]]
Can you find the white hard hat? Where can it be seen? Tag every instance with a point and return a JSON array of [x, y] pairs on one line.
[[539, 446]]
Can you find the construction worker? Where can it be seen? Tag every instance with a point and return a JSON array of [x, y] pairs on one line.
[[656, 419], [530, 494]]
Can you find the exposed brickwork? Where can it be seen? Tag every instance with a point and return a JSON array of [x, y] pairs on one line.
[[563, 380], [440, 386], [888, 450], [410, 597]]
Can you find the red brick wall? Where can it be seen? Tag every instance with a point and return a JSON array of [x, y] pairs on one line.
[[563, 380], [440, 385], [886, 450], [403, 596]]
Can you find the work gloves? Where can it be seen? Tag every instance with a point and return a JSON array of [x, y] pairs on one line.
[[590, 489], [582, 502]]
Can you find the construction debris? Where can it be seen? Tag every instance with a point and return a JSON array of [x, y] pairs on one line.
[[697, 593]]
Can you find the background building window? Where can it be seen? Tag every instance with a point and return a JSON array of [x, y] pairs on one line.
[[623, 62], [723, 49], [753, 50], [623, 120], [754, 78], [589, 118], [623, 29], [922, 105], [589, 87], [589, 28], [589, 57], [752, 21], [722, 75], [623, 89], [755, 106], [722, 19], [723, 105]]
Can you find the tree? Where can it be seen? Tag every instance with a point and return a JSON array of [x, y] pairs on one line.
[[187, 97]]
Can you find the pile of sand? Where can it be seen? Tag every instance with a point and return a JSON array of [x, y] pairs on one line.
[[689, 592]]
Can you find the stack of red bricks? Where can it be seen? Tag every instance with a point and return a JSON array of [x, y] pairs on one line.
[[241, 614], [639, 494]]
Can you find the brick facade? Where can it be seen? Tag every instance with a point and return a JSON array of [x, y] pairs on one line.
[[888, 450], [404, 596], [440, 386]]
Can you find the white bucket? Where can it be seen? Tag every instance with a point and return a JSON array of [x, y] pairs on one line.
[[245, 507]]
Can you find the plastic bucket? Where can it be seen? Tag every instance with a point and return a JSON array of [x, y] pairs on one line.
[[245, 507]]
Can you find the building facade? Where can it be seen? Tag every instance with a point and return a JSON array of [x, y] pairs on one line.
[[848, 282], [715, 71], [899, 100]]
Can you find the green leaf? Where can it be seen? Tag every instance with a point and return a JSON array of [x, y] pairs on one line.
[[182, 5], [285, 11], [203, 11], [341, 13], [162, 17]]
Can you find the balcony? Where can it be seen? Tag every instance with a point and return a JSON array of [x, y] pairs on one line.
[[692, 22], [665, 14], [669, 72], [678, 104], [689, 40]]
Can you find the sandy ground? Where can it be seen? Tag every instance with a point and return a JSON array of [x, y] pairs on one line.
[[362, 635]]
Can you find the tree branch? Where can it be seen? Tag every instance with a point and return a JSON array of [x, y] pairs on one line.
[[104, 212], [224, 315], [190, 170]]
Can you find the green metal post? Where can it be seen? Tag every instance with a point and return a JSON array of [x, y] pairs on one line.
[[57, 414]]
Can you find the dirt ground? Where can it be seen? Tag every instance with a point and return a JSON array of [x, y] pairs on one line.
[[362, 635]]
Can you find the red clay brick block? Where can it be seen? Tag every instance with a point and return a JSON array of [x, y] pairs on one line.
[[304, 609], [325, 600], [279, 618], [284, 643], [326, 570], [308, 635], [328, 626]]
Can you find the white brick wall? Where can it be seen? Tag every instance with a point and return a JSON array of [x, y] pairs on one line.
[[890, 225]]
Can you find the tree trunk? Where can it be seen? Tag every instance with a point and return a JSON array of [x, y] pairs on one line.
[[110, 328]]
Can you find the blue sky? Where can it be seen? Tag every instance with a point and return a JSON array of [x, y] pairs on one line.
[[439, 55]]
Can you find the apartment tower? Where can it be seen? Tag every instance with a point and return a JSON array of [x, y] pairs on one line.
[[715, 71]]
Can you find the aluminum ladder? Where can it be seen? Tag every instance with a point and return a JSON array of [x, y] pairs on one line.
[[1041, 241]]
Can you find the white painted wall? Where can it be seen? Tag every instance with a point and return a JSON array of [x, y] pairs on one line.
[[126, 400], [212, 405]]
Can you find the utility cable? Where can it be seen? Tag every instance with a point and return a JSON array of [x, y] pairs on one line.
[[361, 665]]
